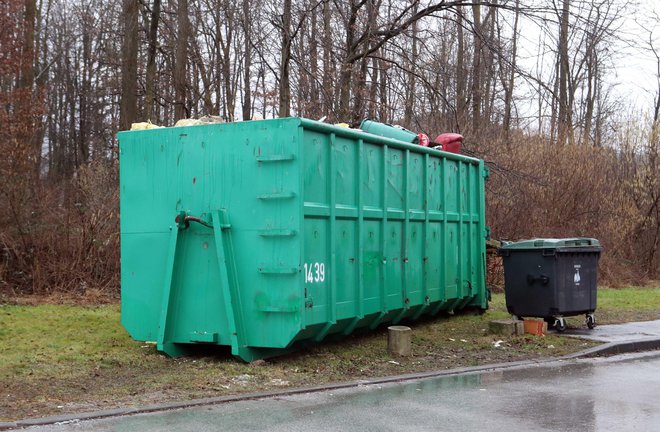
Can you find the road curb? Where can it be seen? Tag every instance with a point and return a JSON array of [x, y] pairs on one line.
[[611, 348]]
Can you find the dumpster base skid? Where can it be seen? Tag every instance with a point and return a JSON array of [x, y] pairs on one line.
[[328, 332]]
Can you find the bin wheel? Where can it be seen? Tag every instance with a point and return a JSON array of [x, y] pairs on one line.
[[560, 325], [591, 321]]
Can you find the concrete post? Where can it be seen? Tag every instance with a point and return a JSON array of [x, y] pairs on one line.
[[399, 339]]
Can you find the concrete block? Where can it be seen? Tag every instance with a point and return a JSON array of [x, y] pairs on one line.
[[506, 327]]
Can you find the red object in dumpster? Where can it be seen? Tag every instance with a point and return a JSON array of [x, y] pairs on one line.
[[450, 142], [423, 140]]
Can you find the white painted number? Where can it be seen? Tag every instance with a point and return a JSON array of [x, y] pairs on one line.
[[314, 272]]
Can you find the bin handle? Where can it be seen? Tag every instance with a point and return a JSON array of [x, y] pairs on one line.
[[544, 279]]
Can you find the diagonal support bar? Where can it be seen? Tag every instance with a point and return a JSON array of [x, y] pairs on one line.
[[161, 341], [228, 277]]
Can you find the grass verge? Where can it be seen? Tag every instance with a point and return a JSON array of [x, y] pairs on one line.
[[57, 359]]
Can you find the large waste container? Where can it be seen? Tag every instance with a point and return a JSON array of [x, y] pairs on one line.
[[551, 279], [267, 235]]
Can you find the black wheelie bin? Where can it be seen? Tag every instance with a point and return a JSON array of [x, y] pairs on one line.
[[551, 279]]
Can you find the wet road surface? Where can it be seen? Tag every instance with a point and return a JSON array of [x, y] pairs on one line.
[[619, 393]]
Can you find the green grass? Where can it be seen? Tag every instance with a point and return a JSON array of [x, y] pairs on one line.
[[628, 304], [68, 358], [47, 339], [640, 299]]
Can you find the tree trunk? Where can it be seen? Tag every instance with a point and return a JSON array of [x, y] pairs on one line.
[[563, 117], [301, 50], [345, 78], [26, 81], [151, 62], [346, 73], [410, 93], [327, 71], [489, 73], [554, 101], [508, 88], [84, 94], [27, 72], [205, 77], [181, 60], [315, 108], [358, 111], [285, 57], [128, 105], [361, 91], [373, 89], [476, 69], [461, 75], [383, 117], [592, 65], [247, 34], [229, 78]]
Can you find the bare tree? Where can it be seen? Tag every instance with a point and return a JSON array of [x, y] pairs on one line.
[[410, 91], [285, 60], [181, 60], [150, 80], [247, 67], [461, 72], [477, 67], [128, 112], [508, 80], [563, 66]]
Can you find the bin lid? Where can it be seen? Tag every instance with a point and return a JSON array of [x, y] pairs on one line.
[[551, 243]]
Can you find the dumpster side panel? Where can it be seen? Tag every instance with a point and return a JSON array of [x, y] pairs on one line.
[[318, 240], [147, 213], [252, 173], [140, 296], [481, 232], [270, 266], [390, 232]]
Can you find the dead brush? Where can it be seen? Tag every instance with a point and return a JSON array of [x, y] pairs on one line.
[[73, 238], [539, 189]]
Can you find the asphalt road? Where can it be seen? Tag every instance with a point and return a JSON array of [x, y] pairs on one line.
[[619, 393]]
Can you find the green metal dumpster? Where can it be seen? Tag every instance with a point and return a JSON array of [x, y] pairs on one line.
[[268, 235]]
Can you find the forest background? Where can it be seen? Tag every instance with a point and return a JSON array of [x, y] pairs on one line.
[[537, 87]]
